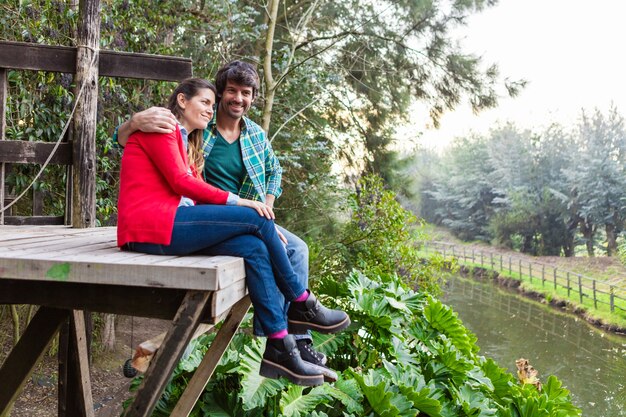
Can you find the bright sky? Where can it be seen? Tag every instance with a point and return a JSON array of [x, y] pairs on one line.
[[571, 52]]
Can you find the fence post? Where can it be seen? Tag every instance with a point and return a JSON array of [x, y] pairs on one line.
[[543, 275], [500, 262], [473, 256], [595, 300], [510, 268], [491, 258], [568, 286], [453, 255], [481, 258], [463, 253], [555, 278], [530, 271], [520, 269], [612, 298], [580, 288]]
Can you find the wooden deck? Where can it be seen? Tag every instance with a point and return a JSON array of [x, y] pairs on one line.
[[66, 270]]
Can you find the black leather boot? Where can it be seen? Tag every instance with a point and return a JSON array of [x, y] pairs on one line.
[[309, 354], [282, 358], [311, 315]]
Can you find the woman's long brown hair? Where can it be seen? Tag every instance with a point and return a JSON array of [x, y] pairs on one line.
[[190, 88]]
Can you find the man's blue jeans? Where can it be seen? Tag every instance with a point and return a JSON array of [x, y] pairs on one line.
[[238, 231]]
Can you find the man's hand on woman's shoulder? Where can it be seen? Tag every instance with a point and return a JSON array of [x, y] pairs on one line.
[[154, 120]]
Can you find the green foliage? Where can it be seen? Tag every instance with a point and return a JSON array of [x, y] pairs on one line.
[[380, 238], [420, 360]]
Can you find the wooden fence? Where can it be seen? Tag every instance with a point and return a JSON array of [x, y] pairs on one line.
[[586, 290]]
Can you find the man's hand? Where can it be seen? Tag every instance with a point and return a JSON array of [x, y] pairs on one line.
[[154, 119], [263, 209], [269, 200]]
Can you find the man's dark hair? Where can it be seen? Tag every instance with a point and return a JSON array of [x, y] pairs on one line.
[[237, 72]]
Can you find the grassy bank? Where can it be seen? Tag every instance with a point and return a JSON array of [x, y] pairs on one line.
[[593, 288]]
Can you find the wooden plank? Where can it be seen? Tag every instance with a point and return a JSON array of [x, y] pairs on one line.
[[29, 56], [132, 272], [24, 152], [224, 299], [34, 220], [183, 326], [211, 359], [3, 107], [80, 360], [84, 144], [29, 349]]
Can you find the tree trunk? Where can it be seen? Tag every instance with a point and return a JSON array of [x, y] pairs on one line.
[[270, 83], [611, 239], [587, 229], [108, 333]]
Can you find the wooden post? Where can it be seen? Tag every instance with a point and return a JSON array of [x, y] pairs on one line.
[[500, 262], [520, 269], [530, 271], [554, 278], [84, 150], [580, 288], [568, 285], [510, 267], [612, 298], [595, 300], [481, 258], [3, 127], [543, 275], [491, 259], [473, 256]]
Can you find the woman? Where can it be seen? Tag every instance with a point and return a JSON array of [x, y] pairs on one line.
[[158, 214]]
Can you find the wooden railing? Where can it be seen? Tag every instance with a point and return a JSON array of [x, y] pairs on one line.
[[585, 290]]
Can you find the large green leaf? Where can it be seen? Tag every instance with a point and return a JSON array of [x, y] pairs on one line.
[[255, 389], [384, 402], [295, 403], [442, 318], [347, 392]]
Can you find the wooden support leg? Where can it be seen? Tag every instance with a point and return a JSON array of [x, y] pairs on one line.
[[183, 326], [212, 358], [74, 382], [27, 352]]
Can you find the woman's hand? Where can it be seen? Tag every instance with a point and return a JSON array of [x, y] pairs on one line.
[[263, 209]]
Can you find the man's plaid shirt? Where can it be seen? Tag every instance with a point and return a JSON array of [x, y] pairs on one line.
[[264, 173]]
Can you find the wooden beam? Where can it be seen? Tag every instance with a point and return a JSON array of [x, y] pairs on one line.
[[84, 146], [83, 402], [178, 337], [29, 349], [211, 358], [3, 102], [159, 303], [25, 152], [30, 56], [34, 220]]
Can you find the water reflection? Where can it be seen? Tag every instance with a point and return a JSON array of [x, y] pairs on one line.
[[591, 364]]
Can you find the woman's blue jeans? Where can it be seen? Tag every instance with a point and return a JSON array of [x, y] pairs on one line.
[[238, 231]]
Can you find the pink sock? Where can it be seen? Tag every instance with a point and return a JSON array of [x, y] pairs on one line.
[[279, 335], [303, 297]]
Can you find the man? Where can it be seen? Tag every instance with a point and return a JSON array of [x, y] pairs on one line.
[[239, 159]]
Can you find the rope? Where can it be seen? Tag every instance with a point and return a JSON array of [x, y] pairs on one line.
[[58, 142]]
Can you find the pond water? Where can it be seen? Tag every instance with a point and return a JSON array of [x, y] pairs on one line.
[[590, 363]]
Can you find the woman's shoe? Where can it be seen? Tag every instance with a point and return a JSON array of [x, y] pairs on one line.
[[282, 359], [312, 315]]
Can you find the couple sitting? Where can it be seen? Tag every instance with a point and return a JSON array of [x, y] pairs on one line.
[[165, 207]]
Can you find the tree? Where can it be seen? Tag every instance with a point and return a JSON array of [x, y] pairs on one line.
[[598, 177]]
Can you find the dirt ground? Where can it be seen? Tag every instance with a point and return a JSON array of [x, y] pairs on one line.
[[109, 386]]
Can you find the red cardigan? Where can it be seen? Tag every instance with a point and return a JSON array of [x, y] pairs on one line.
[[153, 177]]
